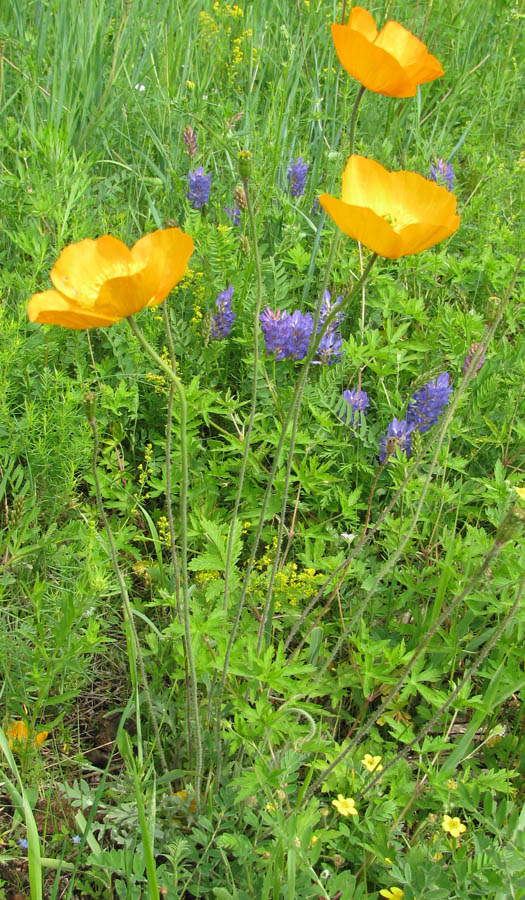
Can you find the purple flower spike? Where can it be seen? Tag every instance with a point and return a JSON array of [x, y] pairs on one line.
[[441, 172], [224, 318], [190, 139], [353, 408], [399, 435], [200, 186], [275, 330], [301, 327], [428, 403], [330, 349], [468, 358], [234, 215], [296, 175]]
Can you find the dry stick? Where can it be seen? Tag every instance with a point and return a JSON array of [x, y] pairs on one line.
[[457, 690], [365, 729], [169, 511], [184, 546], [128, 612]]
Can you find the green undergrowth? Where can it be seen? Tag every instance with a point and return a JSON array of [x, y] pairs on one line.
[[94, 98]]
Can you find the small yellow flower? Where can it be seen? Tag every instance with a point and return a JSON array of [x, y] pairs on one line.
[[394, 893], [453, 825], [520, 492], [452, 784], [388, 861], [345, 805], [314, 840], [372, 763]]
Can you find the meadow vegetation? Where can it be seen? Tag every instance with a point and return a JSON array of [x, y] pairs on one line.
[[261, 556]]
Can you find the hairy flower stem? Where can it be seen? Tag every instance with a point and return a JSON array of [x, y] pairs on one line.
[[294, 413], [253, 406], [457, 690], [242, 473], [429, 634], [168, 371], [353, 118], [490, 330], [169, 512], [132, 638], [264, 505]]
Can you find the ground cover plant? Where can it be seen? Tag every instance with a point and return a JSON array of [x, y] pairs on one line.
[[261, 450]]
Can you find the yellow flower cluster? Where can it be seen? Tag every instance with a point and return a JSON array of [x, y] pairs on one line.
[[163, 528], [203, 578], [292, 586], [145, 469]]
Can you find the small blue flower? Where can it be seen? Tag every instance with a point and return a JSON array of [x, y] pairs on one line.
[[330, 348], [224, 318], [428, 403], [76, 839], [23, 843], [441, 172], [398, 436], [296, 175], [200, 186], [354, 406], [234, 215]]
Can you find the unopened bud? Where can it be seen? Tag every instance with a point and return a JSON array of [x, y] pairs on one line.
[[90, 405], [245, 163]]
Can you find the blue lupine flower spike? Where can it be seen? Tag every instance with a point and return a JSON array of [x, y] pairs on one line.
[[296, 175], [428, 403], [398, 436], [443, 173], [353, 408], [224, 318], [200, 186]]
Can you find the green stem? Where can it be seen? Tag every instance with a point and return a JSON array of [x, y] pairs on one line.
[[132, 638], [244, 462], [353, 118], [169, 511], [184, 545], [294, 412]]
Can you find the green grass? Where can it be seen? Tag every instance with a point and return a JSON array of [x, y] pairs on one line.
[[428, 613]]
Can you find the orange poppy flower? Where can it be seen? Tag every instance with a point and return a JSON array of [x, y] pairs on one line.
[[392, 61], [18, 735], [101, 282], [392, 213]]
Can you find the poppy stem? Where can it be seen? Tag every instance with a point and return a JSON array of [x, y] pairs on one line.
[[134, 649], [173, 378], [353, 118]]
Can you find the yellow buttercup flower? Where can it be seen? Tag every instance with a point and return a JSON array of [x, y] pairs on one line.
[[394, 893], [453, 825], [345, 805], [99, 282], [372, 763], [392, 213]]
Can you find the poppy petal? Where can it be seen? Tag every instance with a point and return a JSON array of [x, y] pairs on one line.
[[52, 308], [392, 62], [363, 225], [411, 53], [362, 21], [164, 256], [82, 268], [374, 67]]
